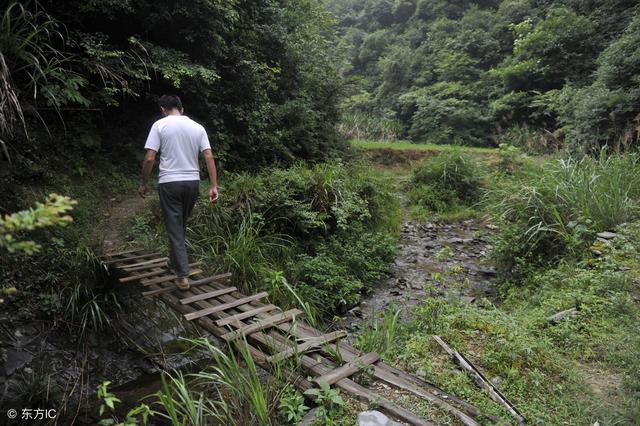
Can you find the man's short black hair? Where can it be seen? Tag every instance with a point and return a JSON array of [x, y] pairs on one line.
[[170, 102]]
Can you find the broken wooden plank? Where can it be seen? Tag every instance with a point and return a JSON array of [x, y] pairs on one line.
[[263, 324], [235, 319], [481, 381], [225, 306], [349, 368], [166, 278], [196, 283], [556, 318], [147, 263], [311, 343], [208, 295], [407, 382]]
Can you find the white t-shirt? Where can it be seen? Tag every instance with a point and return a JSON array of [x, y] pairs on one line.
[[179, 140]]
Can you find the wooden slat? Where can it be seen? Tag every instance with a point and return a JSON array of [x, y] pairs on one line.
[[349, 368], [205, 296], [158, 270], [235, 319], [263, 324], [313, 342], [158, 280], [110, 260], [168, 289], [225, 306], [146, 263], [120, 253]]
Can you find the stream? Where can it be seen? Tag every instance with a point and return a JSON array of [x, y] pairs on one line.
[[436, 259]]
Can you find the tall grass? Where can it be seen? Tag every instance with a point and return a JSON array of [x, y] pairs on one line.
[[380, 333], [360, 125], [184, 406], [557, 209], [246, 398]]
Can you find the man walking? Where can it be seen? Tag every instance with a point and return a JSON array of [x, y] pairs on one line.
[[179, 141]]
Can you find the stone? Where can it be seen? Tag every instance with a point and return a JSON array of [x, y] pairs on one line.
[[606, 235], [16, 360], [312, 417], [375, 418]]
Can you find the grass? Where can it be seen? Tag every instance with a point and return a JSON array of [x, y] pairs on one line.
[[406, 145]]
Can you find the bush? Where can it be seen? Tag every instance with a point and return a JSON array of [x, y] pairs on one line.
[[556, 210], [446, 181]]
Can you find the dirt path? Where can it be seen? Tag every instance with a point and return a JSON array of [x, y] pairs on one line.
[[114, 227]]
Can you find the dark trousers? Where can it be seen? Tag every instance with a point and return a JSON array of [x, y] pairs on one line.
[[176, 201]]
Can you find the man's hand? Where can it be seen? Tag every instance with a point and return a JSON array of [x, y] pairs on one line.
[[213, 194], [143, 190]]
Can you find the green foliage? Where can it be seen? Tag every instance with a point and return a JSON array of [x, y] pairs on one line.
[[552, 372], [380, 334], [556, 210], [463, 72], [292, 406], [53, 212], [328, 227], [329, 400], [141, 413], [444, 182]]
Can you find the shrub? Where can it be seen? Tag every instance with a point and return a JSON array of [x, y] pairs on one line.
[[446, 181], [557, 209]]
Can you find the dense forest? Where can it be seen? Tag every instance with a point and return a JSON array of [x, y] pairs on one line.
[[543, 73], [398, 169]]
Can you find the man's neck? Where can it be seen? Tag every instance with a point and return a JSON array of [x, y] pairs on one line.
[[174, 112]]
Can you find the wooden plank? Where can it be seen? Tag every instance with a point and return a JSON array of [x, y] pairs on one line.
[[164, 279], [110, 261], [311, 364], [156, 271], [146, 263], [407, 382], [120, 253], [196, 283], [481, 381], [235, 319], [263, 324], [225, 306], [349, 368], [205, 296], [313, 342]]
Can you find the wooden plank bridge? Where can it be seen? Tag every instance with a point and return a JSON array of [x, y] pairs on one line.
[[273, 335]]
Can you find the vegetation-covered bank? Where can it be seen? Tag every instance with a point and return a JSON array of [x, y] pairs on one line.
[[549, 218]]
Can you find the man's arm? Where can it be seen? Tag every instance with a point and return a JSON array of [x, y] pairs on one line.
[[211, 168], [147, 166]]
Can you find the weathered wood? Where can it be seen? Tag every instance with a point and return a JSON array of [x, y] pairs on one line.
[[164, 279], [133, 266], [556, 318], [154, 272], [235, 319], [404, 381], [171, 288], [109, 260], [263, 324], [349, 368], [319, 368], [225, 306], [311, 343], [208, 295], [481, 381]]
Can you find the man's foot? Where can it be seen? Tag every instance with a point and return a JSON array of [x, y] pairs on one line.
[[183, 283]]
